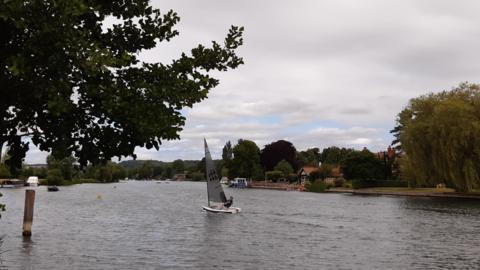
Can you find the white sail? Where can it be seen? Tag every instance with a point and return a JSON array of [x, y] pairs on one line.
[[214, 188]]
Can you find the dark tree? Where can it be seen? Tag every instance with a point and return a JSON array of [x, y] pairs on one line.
[[157, 171], [77, 87], [334, 155], [277, 151], [362, 165], [178, 166], [146, 171], [310, 157], [227, 152], [246, 160]]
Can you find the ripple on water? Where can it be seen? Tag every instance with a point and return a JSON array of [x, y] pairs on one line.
[[142, 225]]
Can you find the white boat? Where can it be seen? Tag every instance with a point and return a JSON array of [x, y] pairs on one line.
[[230, 210], [11, 183], [32, 181], [239, 183], [216, 197]]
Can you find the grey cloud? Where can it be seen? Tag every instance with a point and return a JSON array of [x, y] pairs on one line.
[[355, 111], [354, 63]]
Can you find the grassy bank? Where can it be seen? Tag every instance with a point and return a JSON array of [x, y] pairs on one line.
[[403, 191]]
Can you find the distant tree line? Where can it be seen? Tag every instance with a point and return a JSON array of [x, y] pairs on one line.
[[281, 161], [436, 142], [68, 171]]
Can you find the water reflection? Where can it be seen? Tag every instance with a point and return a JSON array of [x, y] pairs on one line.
[[27, 246], [27, 253]]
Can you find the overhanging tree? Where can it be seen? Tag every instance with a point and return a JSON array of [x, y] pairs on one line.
[[75, 86]]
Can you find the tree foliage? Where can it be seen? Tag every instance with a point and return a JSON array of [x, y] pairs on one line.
[[54, 177], [178, 166], [146, 171], [284, 167], [274, 176], [334, 155], [362, 165], [325, 171], [74, 85], [275, 152], [309, 157], [65, 165], [440, 137], [246, 160], [4, 171], [227, 152]]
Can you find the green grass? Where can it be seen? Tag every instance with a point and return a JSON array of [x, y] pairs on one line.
[[410, 190]]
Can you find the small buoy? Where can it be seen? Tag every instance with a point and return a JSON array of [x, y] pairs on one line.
[[99, 197]]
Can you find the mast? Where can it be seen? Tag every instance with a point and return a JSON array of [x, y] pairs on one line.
[[206, 170]]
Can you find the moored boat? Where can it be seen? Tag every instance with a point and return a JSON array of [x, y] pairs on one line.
[[11, 183], [239, 183], [52, 188]]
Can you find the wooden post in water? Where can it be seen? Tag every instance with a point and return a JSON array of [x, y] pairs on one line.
[[28, 214]]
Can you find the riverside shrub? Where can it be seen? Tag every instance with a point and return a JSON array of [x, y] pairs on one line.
[[317, 186], [54, 177]]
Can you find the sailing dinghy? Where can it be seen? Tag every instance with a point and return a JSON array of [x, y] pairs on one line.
[[216, 196]]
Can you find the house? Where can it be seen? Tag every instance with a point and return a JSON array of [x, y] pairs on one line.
[[304, 173], [335, 174]]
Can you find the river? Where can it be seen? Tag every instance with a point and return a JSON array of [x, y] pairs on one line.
[[146, 225]]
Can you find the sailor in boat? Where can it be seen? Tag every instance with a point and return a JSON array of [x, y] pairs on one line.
[[229, 202]]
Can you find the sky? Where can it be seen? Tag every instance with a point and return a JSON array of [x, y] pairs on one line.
[[317, 73]]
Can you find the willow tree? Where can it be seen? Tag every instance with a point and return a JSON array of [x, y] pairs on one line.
[[439, 135], [75, 85]]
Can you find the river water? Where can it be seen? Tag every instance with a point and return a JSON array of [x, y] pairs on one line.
[[146, 225]]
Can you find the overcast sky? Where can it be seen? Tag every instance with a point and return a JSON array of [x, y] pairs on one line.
[[318, 73]]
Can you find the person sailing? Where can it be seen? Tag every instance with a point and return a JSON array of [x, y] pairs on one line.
[[229, 202]]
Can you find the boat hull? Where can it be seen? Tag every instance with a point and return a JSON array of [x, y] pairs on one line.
[[52, 188], [231, 210]]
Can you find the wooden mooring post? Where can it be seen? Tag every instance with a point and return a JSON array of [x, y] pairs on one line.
[[28, 214]]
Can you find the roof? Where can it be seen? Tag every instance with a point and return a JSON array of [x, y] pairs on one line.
[[336, 171], [307, 169]]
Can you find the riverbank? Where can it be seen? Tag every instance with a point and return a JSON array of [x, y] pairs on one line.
[[274, 186], [378, 191], [401, 191]]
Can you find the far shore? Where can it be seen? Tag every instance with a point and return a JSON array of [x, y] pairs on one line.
[[403, 191], [376, 191]]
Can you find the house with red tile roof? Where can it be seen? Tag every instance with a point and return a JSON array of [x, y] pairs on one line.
[[305, 172]]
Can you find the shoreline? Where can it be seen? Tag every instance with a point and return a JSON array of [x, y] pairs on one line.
[[379, 191], [404, 193]]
